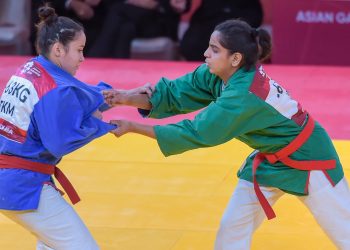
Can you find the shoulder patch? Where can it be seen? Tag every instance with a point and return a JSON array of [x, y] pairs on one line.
[[21, 93], [275, 95]]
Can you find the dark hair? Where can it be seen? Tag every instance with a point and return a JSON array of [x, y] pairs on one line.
[[53, 28], [239, 36]]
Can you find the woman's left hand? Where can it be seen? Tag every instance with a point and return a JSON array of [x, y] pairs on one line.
[[123, 127]]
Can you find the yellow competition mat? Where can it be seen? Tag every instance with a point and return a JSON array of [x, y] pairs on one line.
[[133, 198]]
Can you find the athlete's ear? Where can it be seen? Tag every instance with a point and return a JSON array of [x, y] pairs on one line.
[[236, 59]]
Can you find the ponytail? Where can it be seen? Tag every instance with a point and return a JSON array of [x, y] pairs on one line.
[[264, 44], [239, 36]]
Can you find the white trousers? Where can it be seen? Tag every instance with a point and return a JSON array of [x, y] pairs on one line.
[[329, 205], [55, 223]]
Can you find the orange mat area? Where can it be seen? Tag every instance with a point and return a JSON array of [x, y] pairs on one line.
[[133, 198]]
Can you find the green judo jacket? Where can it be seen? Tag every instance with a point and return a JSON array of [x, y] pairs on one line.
[[252, 108]]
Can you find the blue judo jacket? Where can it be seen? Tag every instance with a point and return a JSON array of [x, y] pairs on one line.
[[45, 113]]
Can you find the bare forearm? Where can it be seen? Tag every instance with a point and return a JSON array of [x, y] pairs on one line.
[[146, 130], [137, 97], [138, 101]]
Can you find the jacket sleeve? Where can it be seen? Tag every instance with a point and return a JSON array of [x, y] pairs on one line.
[[233, 114], [186, 94], [64, 120]]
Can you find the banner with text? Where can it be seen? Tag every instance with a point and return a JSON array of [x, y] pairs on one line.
[[311, 32]]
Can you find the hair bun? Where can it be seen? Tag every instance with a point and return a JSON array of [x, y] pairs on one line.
[[47, 14]]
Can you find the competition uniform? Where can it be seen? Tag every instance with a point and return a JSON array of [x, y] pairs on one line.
[[291, 150], [45, 113]]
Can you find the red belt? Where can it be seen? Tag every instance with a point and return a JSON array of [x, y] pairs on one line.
[[7, 161], [283, 156]]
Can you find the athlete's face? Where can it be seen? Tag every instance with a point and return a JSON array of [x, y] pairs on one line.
[[70, 57], [219, 60]]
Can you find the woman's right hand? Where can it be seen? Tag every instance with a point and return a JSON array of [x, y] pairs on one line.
[[114, 97], [145, 89]]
